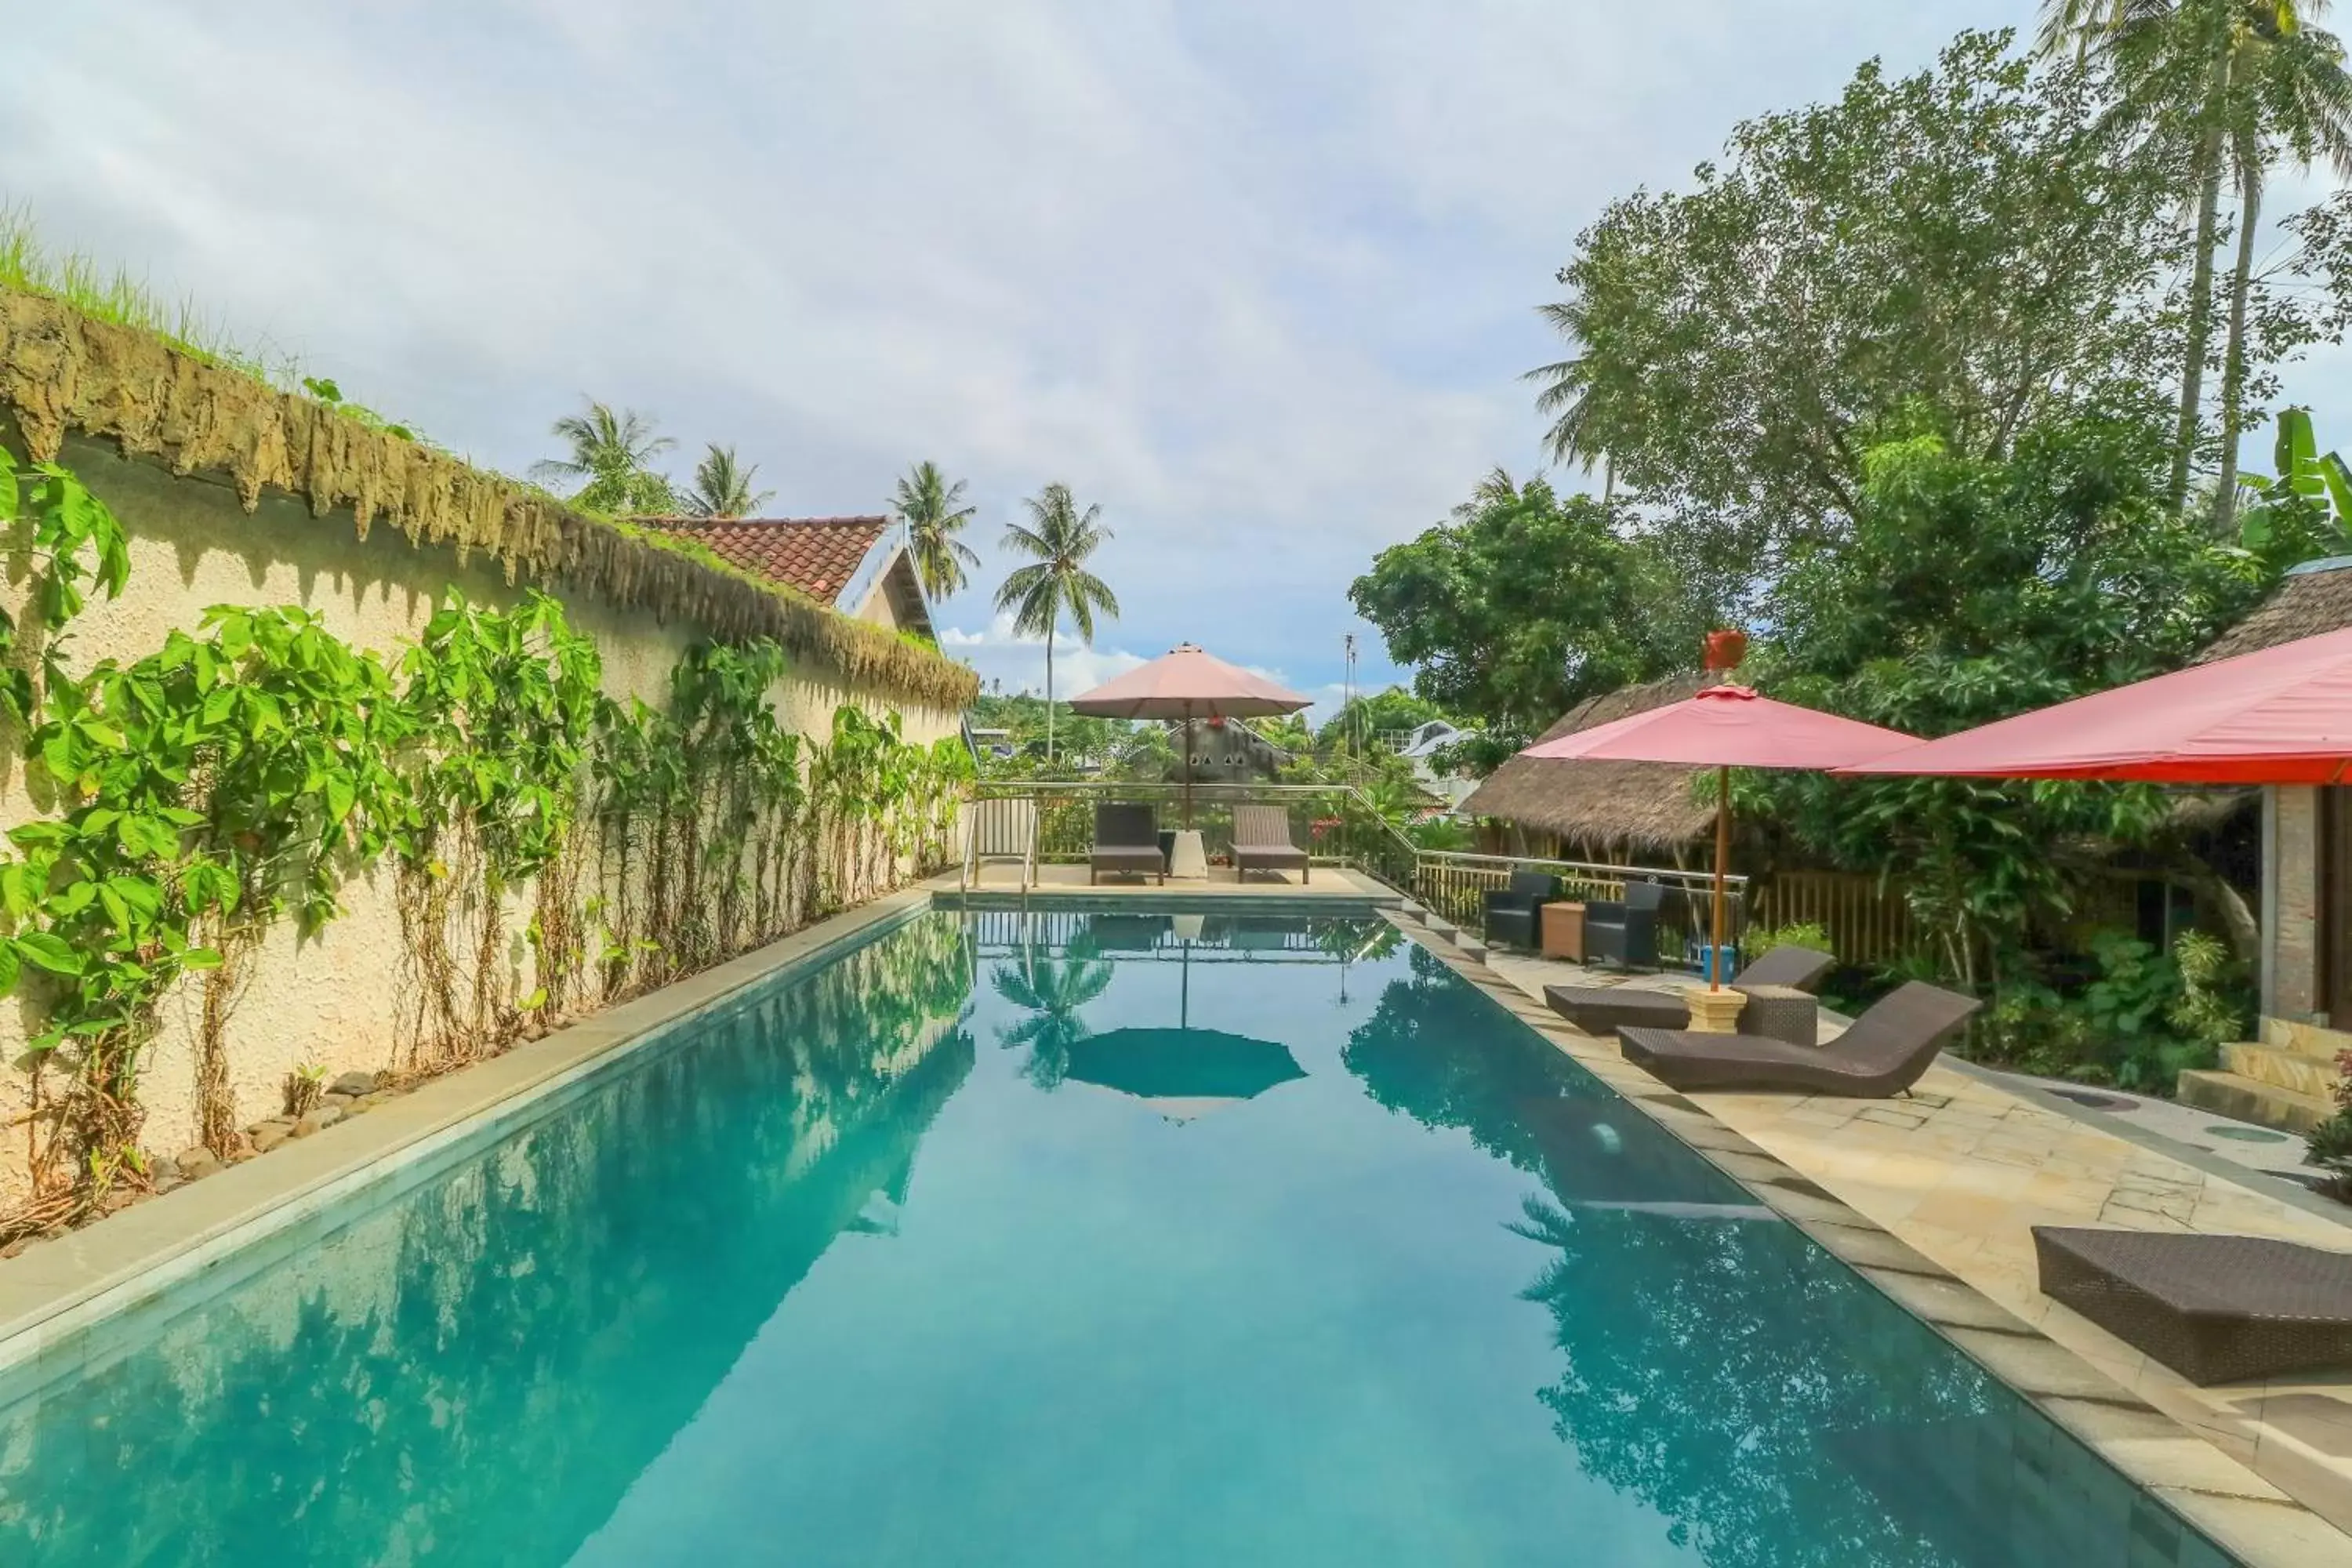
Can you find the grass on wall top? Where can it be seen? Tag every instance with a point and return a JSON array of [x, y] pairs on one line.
[[100, 354]]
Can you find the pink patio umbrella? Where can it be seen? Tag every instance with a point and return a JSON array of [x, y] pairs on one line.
[[1727, 727], [2277, 716], [1187, 683]]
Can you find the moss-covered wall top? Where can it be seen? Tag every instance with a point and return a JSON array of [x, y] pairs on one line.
[[60, 370]]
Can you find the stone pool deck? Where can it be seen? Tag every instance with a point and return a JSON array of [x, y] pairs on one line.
[[1959, 1174]]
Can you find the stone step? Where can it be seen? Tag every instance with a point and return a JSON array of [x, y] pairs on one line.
[[2285, 1068], [2250, 1100], [2312, 1041], [1413, 910], [1470, 947], [1445, 929]]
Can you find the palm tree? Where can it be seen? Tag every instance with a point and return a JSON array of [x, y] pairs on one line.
[[1051, 994], [612, 456], [2204, 77], [2294, 101], [722, 486], [1058, 543], [927, 504]]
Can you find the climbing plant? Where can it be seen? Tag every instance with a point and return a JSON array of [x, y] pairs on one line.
[[241, 772], [504, 704]]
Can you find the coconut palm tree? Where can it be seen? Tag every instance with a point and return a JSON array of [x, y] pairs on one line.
[[2294, 102], [1057, 543], [722, 486], [612, 456], [927, 504], [2226, 84]]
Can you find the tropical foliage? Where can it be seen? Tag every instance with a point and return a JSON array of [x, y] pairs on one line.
[[1940, 386], [248, 769]]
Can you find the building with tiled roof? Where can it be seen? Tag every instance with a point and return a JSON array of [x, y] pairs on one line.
[[862, 566]]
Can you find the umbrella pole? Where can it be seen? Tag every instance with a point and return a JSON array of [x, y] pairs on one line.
[[1188, 767], [1722, 871]]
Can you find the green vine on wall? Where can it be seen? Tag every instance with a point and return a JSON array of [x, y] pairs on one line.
[[244, 772]]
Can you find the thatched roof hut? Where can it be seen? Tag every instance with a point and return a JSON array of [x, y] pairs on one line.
[[2315, 597], [1642, 805]]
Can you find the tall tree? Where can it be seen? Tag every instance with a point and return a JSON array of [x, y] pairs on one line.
[[1058, 542], [2224, 89], [722, 486], [2292, 101], [1969, 237], [1525, 604], [612, 456], [927, 503]]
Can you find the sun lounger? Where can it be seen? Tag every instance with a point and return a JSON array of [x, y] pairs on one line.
[[1801, 968], [1602, 1010], [1005, 831], [1262, 843], [2214, 1309], [1882, 1054], [1126, 844]]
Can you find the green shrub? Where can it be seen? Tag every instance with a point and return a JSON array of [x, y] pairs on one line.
[[1799, 933]]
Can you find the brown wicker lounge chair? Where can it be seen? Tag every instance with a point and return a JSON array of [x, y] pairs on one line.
[[1126, 844], [1801, 968], [1882, 1054], [1262, 843], [1603, 1009], [2214, 1309]]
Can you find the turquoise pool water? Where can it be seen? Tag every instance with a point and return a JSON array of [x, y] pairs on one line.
[[1061, 1239]]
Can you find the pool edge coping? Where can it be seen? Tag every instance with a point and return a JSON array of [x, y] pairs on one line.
[[75, 1282], [2082, 1399]]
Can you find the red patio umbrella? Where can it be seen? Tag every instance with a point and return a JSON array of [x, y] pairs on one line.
[[1187, 683], [2278, 716], [1727, 727]]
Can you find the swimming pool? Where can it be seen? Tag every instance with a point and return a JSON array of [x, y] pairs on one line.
[[1053, 1237]]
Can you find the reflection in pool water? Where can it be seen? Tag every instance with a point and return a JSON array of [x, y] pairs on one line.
[[826, 1284]]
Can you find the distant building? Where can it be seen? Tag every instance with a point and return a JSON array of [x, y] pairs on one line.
[[862, 566], [1420, 745]]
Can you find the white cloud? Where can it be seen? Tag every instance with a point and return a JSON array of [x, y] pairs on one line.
[[1260, 279]]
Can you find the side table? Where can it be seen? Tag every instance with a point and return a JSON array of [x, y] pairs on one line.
[[1563, 932], [1782, 1013]]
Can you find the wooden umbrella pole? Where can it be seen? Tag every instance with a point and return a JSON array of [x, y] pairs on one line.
[[1722, 871]]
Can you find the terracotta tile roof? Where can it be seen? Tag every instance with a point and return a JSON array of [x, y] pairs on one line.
[[818, 555]]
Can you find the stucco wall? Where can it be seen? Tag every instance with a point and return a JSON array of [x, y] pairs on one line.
[[335, 1000]]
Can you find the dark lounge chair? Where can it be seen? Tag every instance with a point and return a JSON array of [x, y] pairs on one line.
[[1799, 968], [1514, 913], [1604, 1009], [1262, 843], [1626, 931], [1881, 1055], [2214, 1309], [1126, 844]]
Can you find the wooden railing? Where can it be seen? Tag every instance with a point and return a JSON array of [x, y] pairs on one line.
[[1868, 924], [1455, 885]]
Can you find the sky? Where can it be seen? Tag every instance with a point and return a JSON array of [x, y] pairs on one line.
[[1259, 279]]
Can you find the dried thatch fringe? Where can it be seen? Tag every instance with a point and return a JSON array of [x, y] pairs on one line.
[[60, 370]]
